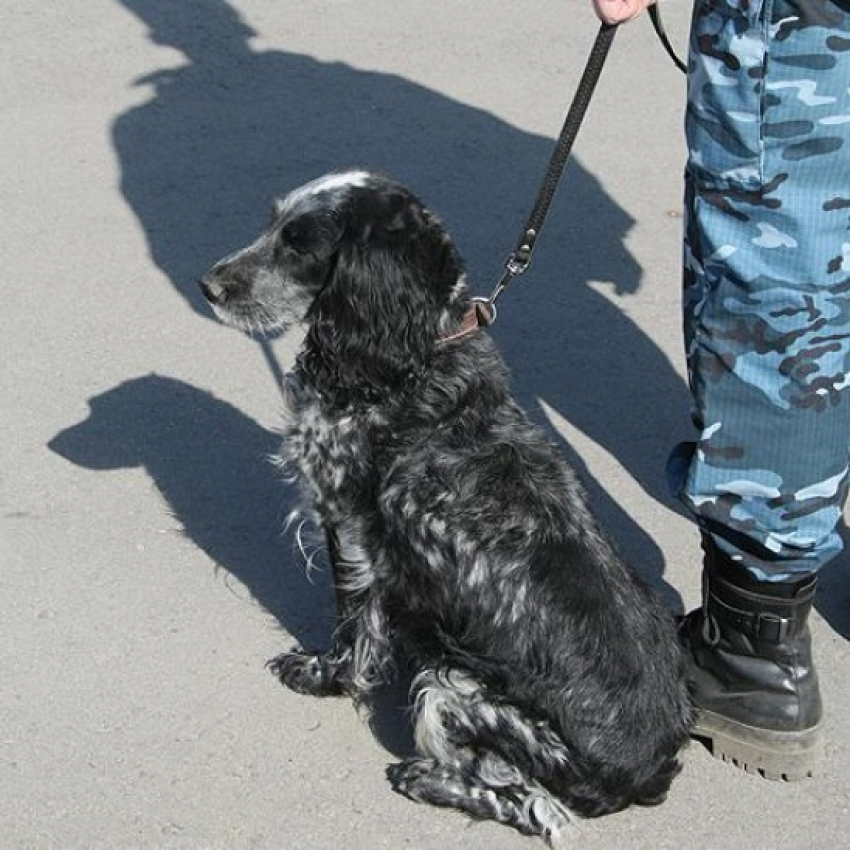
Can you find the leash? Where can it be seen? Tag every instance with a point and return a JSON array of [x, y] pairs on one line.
[[658, 26], [483, 311], [519, 259]]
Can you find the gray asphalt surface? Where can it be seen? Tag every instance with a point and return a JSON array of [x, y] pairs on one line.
[[144, 578]]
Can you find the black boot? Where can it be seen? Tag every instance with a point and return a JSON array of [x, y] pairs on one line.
[[752, 678]]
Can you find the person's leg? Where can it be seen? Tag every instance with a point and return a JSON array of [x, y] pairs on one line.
[[767, 321]]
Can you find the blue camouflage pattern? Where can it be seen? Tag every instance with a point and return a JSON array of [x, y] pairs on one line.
[[767, 280]]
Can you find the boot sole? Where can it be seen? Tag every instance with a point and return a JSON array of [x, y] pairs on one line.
[[778, 756]]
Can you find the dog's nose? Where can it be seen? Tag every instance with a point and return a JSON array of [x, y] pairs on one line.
[[213, 291]]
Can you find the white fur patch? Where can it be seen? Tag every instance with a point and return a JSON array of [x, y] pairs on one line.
[[328, 183], [436, 698], [547, 812]]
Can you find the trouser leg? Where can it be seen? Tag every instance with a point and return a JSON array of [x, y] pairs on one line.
[[767, 281]]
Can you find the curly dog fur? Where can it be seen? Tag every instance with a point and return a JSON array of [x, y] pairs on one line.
[[548, 678]]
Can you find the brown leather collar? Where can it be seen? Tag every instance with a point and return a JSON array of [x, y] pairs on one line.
[[481, 314]]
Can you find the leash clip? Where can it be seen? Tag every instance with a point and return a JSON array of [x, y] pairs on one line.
[[518, 261], [515, 265]]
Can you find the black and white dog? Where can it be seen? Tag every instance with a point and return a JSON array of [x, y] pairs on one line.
[[548, 679]]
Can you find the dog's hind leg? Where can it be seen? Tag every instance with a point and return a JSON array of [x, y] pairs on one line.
[[527, 808], [454, 710], [359, 655], [458, 714], [457, 771]]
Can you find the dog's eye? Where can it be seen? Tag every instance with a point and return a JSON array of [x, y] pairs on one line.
[[309, 238], [294, 237]]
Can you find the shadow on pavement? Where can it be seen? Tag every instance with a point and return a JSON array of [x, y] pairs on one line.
[[210, 463], [833, 596]]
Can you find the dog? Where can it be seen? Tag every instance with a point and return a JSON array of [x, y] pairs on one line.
[[548, 680]]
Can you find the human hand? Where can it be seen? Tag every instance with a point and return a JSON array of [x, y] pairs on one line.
[[619, 11]]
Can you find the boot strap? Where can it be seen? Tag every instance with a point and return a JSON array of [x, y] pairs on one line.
[[766, 626]]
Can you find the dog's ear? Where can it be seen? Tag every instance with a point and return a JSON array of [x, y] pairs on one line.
[[378, 316]]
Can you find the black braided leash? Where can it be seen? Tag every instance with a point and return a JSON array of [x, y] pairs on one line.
[[519, 259]]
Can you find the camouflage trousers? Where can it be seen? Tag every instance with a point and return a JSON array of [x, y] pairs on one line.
[[767, 280]]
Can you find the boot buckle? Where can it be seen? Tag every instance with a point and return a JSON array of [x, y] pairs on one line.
[[772, 627]]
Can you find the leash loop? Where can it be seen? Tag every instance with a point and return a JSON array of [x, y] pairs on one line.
[[658, 26]]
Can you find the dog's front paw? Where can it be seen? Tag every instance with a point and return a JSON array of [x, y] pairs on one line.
[[409, 776], [307, 673]]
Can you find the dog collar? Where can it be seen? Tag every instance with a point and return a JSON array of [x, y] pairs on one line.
[[481, 314]]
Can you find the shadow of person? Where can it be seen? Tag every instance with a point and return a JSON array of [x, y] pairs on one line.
[[833, 596], [233, 126]]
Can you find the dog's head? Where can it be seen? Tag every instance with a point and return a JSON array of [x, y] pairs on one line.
[[358, 258]]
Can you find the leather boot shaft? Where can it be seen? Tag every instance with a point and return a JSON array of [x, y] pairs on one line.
[[752, 679], [751, 654]]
